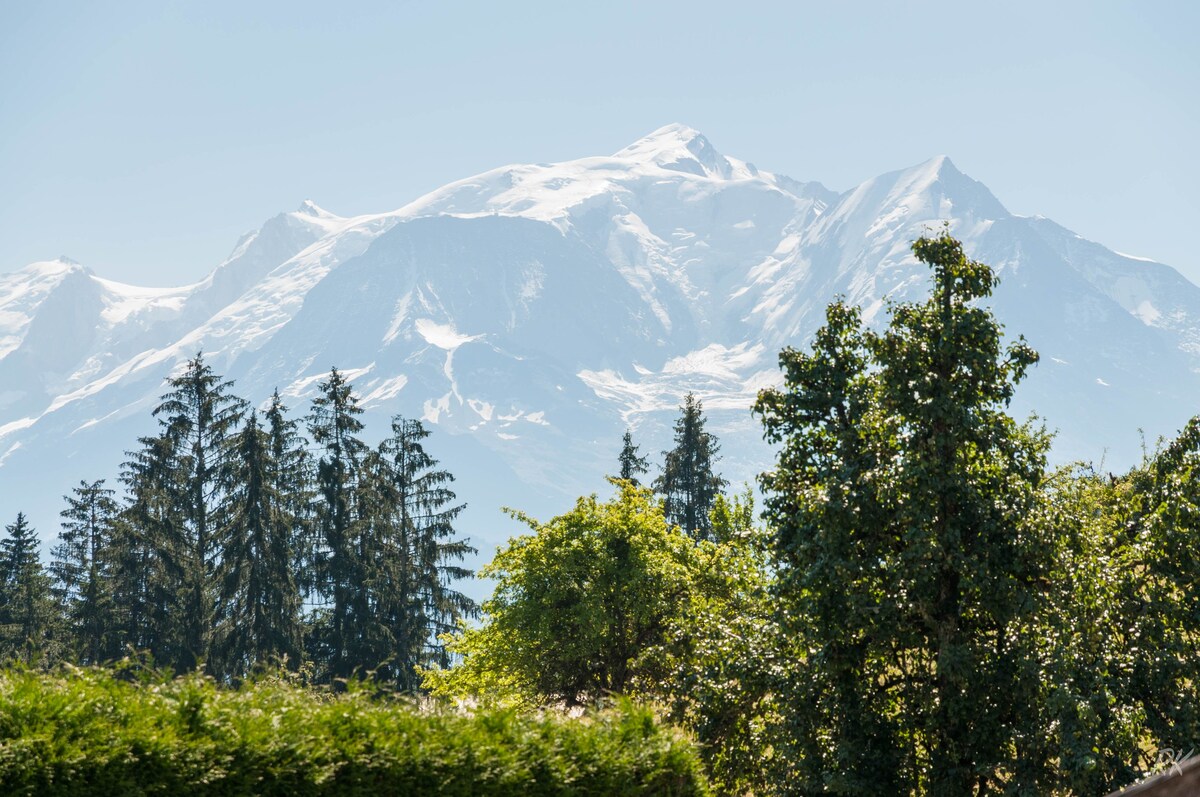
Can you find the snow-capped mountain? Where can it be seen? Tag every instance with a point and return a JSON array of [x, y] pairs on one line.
[[531, 312]]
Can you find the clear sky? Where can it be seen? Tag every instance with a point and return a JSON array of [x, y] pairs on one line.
[[143, 139]]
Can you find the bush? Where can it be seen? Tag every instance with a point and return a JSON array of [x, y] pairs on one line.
[[89, 732]]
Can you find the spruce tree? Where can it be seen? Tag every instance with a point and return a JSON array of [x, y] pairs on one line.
[[27, 611], [198, 417], [258, 606], [292, 476], [632, 465], [148, 557], [338, 562], [687, 483], [415, 555], [81, 567]]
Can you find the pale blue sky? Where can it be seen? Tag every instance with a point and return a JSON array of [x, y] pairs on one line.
[[142, 138]]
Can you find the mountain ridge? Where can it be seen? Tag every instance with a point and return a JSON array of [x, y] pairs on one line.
[[532, 311]]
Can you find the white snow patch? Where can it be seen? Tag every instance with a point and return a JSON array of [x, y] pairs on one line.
[[15, 426], [716, 360], [398, 316], [90, 423], [384, 390], [481, 408], [11, 450], [432, 410], [1133, 257], [723, 377], [304, 385], [350, 374], [444, 336], [1147, 312], [122, 302]]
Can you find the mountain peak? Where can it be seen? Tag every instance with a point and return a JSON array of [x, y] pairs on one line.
[[669, 136], [679, 148], [310, 208], [942, 166], [939, 177]]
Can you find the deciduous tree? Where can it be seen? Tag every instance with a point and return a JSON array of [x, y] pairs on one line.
[[904, 502]]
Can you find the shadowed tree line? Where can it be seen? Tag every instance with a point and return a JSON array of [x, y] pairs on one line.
[[240, 543]]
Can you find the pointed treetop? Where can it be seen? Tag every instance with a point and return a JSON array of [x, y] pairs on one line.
[[632, 465]]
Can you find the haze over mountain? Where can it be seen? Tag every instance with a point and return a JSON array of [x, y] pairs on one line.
[[532, 312]]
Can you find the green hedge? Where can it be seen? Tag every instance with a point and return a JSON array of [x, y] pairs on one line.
[[87, 732]]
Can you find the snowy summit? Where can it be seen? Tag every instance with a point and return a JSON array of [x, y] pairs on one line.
[[532, 312]]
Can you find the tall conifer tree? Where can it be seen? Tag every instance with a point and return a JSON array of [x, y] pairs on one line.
[[632, 465], [199, 417], [687, 483], [148, 556], [415, 555], [258, 605], [81, 568], [334, 427], [27, 612], [293, 477]]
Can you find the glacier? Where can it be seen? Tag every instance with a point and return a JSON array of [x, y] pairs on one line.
[[531, 313]]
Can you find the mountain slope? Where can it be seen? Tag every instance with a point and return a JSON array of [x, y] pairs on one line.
[[531, 312]]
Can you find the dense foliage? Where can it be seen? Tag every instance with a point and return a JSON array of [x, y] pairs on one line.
[[910, 554], [86, 732], [237, 546], [581, 607], [928, 609], [612, 599]]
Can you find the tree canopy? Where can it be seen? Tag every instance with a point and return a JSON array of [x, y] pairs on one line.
[[580, 604], [904, 505]]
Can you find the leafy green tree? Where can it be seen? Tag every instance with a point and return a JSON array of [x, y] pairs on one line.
[[724, 650], [27, 611], [1121, 633], [581, 609], [258, 607], [905, 507], [687, 482], [632, 465], [1165, 522], [81, 568], [1095, 733], [610, 599], [339, 566]]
